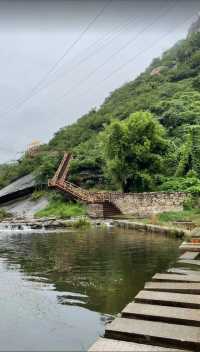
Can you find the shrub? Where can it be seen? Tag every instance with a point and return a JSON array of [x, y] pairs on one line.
[[82, 222], [37, 195], [4, 214], [192, 202], [181, 184]]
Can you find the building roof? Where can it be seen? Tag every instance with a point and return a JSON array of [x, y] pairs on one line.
[[22, 184]]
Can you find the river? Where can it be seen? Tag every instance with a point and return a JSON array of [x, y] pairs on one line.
[[59, 289]]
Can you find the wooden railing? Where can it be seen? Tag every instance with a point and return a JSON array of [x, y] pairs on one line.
[[59, 181], [62, 171], [82, 194]]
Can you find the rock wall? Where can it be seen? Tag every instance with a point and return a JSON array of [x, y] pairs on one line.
[[142, 204]]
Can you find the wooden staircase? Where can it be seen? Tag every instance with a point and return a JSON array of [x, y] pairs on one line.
[[59, 181]]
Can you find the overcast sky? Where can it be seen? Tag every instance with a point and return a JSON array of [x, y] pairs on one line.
[[59, 58]]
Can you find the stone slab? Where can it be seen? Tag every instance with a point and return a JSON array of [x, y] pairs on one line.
[[189, 255], [183, 271], [190, 262], [110, 345], [182, 287], [169, 299], [184, 316], [176, 278], [192, 247], [155, 333]]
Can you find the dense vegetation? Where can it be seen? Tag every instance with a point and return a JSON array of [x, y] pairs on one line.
[[146, 135], [4, 214]]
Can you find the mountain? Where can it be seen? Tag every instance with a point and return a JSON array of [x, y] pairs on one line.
[[169, 89]]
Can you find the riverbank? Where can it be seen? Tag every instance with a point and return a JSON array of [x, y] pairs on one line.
[[55, 224], [187, 218], [165, 230], [52, 223], [58, 216]]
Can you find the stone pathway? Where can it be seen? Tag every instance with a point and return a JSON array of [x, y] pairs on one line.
[[165, 315]]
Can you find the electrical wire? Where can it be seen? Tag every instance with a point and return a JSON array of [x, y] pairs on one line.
[[61, 58], [119, 50], [132, 59], [35, 92]]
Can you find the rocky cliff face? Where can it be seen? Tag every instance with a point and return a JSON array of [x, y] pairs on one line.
[[195, 27]]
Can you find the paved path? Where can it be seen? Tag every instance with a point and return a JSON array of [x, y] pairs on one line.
[[164, 316]]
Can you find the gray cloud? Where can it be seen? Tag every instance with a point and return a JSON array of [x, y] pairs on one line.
[[35, 34]]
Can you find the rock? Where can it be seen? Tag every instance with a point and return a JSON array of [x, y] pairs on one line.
[[196, 232]]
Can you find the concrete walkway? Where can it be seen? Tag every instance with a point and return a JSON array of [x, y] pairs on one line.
[[165, 316]]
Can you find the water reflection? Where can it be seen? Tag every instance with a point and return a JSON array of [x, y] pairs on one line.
[[59, 289]]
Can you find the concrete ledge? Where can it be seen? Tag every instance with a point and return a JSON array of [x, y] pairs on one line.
[[180, 233]]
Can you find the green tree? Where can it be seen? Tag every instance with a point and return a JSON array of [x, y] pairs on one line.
[[134, 150], [195, 149], [183, 108], [189, 153]]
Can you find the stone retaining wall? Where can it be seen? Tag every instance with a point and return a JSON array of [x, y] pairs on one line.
[[164, 230], [143, 204]]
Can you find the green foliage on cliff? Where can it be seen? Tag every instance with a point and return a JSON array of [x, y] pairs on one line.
[[137, 159], [4, 214], [134, 150]]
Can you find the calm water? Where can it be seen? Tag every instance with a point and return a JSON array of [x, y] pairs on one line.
[[58, 290]]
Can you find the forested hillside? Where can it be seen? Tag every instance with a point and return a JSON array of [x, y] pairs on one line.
[[145, 136]]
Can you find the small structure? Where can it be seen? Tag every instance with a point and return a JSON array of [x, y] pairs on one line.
[[33, 148], [157, 71]]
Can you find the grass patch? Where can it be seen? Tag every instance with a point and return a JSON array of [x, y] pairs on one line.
[[4, 214], [185, 215], [81, 223], [170, 217], [37, 195], [61, 210]]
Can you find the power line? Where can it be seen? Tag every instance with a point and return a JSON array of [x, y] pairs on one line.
[[114, 54], [90, 55], [35, 91], [119, 50], [71, 70], [141, 52], [132, 59], [61, 58]]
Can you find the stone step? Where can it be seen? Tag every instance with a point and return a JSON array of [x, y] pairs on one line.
[[192, 247], [155, 333], [176, 278], [169, 299], [110, 345], [182, 287], [189, 262], [183, 316], [184, 271], [189, 255]]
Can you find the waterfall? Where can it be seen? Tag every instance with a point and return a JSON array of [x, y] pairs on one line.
[[20, 227]]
